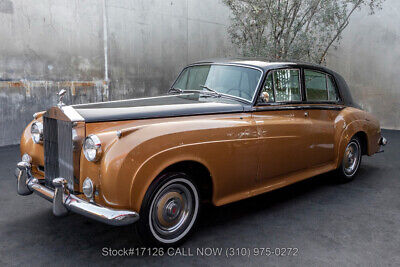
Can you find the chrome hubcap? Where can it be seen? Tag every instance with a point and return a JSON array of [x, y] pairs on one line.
[[351, 159], [173, 210]]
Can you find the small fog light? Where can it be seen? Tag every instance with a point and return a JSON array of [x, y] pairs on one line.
[[88, 187]]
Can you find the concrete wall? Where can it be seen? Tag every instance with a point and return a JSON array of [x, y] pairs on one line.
[[150, 41], [116, 49], [99, 50], [368, 57]]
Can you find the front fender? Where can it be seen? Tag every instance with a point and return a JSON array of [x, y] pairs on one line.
[[27, 145], [133, 161], [154, 165]]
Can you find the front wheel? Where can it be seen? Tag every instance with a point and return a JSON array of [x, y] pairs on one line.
[[351, 161], [169, 210]]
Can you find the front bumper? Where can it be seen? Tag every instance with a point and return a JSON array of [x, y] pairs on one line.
[[64, 201]]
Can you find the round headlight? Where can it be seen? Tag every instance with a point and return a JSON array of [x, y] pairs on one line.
[[92, 148], [88, 187], [37, 132]]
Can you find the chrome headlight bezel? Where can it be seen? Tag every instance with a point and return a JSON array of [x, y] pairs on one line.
[[37, 132], [92, 148]]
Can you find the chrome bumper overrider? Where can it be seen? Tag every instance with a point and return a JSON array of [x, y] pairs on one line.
[[64, 201], [382, 142]]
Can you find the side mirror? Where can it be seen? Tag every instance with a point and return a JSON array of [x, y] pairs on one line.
[[265, 97]]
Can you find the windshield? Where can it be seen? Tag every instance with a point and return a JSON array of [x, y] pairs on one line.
[[231, 80]]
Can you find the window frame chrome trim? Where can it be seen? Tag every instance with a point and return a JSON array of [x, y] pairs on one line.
[[304, 100]]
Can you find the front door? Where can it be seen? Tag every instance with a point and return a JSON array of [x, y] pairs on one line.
[[283, 128]]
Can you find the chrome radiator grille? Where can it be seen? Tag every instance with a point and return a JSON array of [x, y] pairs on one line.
[[58, 151]]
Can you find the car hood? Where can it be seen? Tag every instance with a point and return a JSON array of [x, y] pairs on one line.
[[157, 107]]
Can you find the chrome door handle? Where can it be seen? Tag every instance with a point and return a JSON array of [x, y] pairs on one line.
[[306, 114]]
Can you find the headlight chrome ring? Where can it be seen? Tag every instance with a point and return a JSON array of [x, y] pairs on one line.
[[37, 132], [92, 148]]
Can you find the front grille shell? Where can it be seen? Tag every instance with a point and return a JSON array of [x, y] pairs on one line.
[[61, 152]]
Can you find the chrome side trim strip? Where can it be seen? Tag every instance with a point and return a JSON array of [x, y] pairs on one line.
[[297, 107]]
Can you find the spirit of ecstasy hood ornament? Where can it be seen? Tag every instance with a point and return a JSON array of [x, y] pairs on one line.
[[60, 97]]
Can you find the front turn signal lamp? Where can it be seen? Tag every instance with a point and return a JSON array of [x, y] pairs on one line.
[[88, 188], [92, 148]]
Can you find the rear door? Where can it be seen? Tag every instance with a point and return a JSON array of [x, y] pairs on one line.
[[322, 107], [283, 127]]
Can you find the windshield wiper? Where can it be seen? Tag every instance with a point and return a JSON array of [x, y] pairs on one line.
[[215, 93], [175, 90], [211, 90]]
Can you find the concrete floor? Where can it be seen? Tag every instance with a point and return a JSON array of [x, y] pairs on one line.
[[348, 224]]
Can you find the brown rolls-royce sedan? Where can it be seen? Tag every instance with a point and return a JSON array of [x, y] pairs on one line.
[[226, 130]]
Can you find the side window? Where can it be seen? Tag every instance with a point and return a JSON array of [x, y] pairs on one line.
[[287, 85], [267, 91], [319, 86], [315, 85]]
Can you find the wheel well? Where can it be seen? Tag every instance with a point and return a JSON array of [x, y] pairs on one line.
[[199, 173], [362, 136]]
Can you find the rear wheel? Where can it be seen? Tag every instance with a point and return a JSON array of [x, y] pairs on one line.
[[351, 161], [169, 210]]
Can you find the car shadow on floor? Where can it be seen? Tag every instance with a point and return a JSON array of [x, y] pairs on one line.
[[81, 233], [262, 203]]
